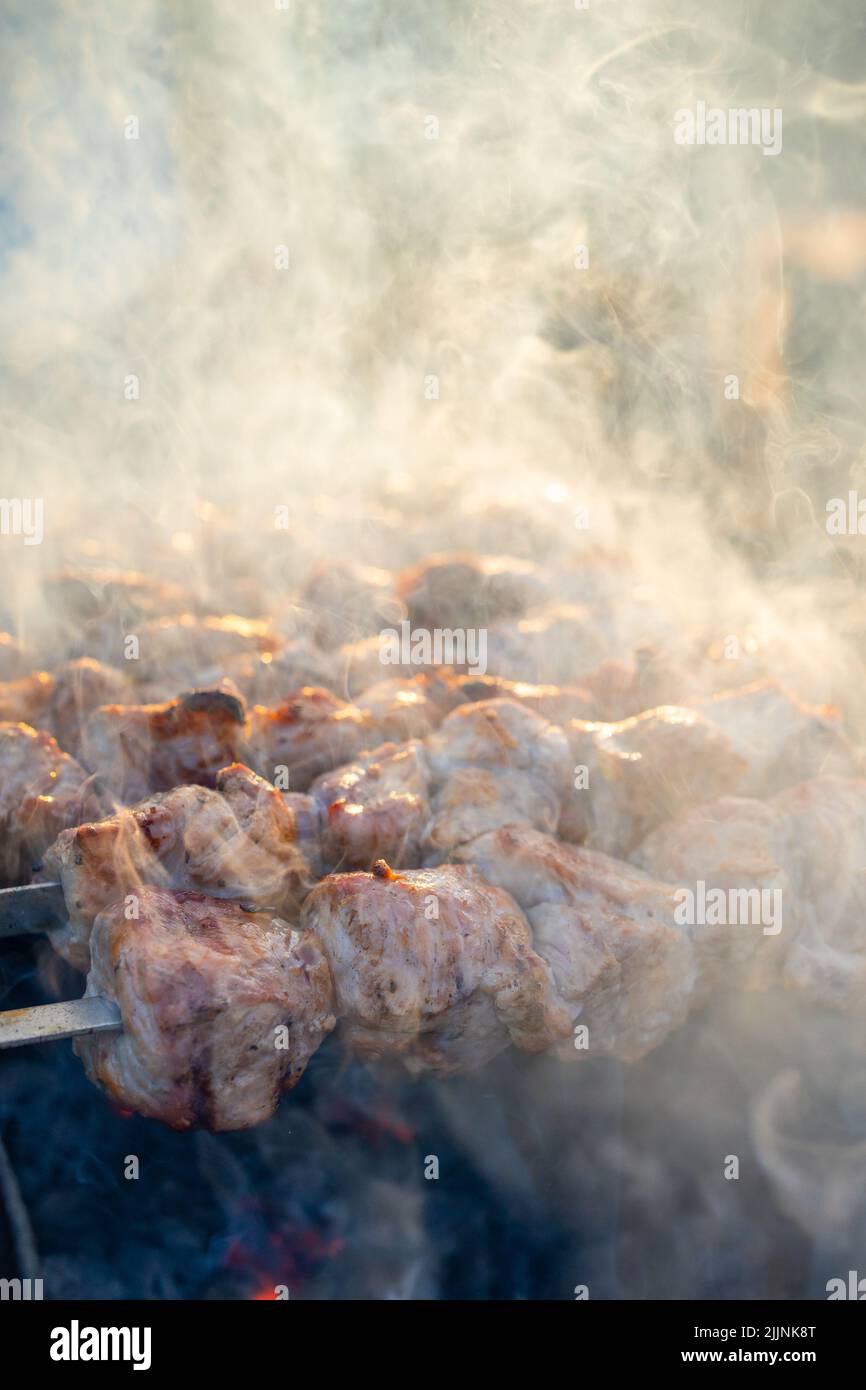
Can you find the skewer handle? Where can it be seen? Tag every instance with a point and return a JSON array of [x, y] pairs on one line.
[[48, 1022]]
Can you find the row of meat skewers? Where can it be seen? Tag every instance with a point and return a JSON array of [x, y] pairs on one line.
[[459, 863]]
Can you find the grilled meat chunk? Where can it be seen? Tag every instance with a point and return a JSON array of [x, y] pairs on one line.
[[15, 660], [347, 601], [239, 841], [460, 591], [374, 808], [809, 843], [202, 649], [222, 1009], [622, 965], [632, 775], [781, 739], [27, 699], [493, 763], [559, 643], [405, 708], [80, 687], [42, 791], [310, 733], [138, 749], [433, 967]]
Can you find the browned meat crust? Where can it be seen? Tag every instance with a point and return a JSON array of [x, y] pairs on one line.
[[434, 967], [222, 1009], [42, 791], [138, 749]]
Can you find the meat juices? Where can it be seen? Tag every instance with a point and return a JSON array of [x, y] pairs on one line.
[[221, 1009], [238, 841], [42, 791], [433, 967]]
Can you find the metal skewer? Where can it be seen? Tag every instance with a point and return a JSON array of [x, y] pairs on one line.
[[36, 907], [49, 1022]]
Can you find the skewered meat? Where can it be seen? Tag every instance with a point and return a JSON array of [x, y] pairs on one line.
[[26, 700], [640, 772], [809, 842], [433, 967], [557, 703], [15, 660], [374, 808], [203, 649], [310, 733], [80, 687], [101, 606], [267, 678], [620, 689], [42, 791], [239, 841], [348, 601], [622, 965], [138, 749], [494, 763], [460, 591], [559, 643], [824, 855], [405, 708], [208, 994], [781, 739]]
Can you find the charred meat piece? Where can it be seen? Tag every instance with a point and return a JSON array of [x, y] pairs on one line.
[[632, 775], [42, 791], [222, 1009], [622, 965], [239, 841], [433, 967], [493, 763], [310, 733], [26, 700], [80, 687], [138, 749], [374, 808], [460, 591]]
